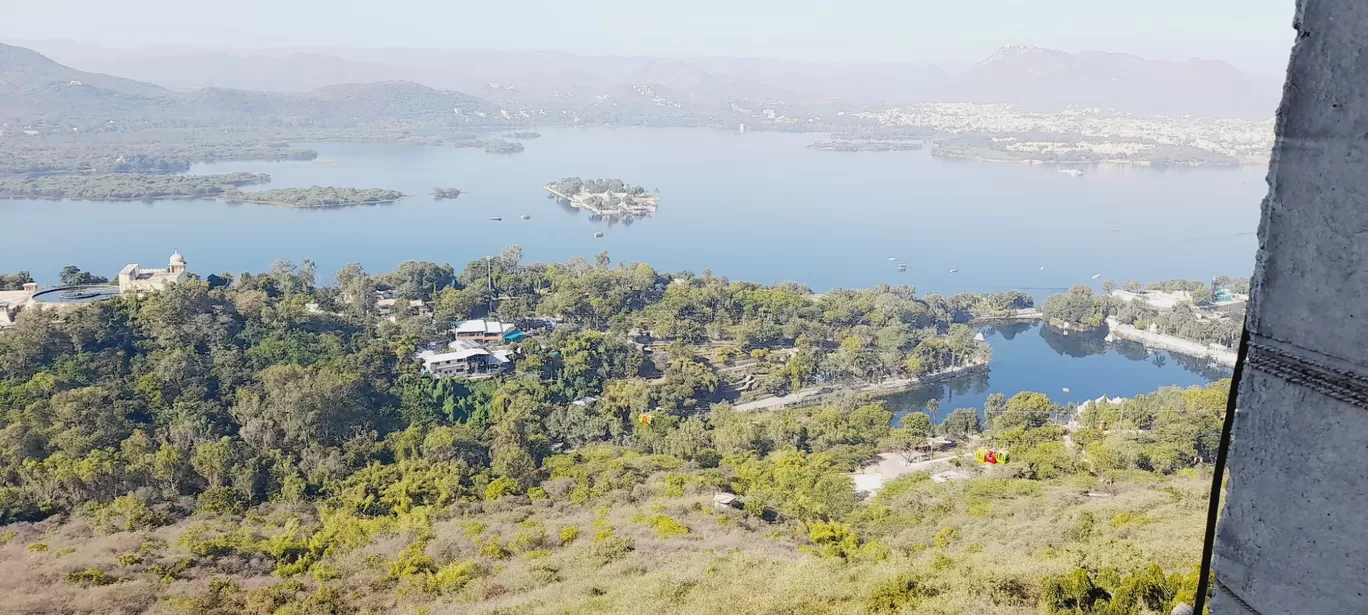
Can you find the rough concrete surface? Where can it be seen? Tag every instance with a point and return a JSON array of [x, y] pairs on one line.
[[1294, 534]]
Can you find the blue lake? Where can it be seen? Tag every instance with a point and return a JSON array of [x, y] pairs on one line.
[[1035, 357], [758, 206]]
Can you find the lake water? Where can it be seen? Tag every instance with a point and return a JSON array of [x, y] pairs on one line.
[[758, 206], [1035, 357]]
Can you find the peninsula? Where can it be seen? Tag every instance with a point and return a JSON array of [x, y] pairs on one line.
[[605, 197]]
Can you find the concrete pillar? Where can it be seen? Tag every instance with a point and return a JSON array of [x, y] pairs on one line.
[[1294, 534]]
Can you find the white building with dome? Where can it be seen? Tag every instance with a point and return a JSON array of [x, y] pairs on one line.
[[135, 279]]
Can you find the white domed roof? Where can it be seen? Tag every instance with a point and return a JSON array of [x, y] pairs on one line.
[[177, 259]]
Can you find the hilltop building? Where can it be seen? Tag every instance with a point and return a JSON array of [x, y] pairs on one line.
[[134, 279]]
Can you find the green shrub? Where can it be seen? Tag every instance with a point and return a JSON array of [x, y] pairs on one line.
[[892, 595], [530, 537], [1127, 518], [125, 513], [500, 487], [222, 501], [609, 546], [834, 539], [413, 560], [569, 533], [450, 578], [91, 577], [663, 525], [944, 537], [492, 548]]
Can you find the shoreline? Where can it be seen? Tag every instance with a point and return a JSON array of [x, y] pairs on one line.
[[1172, 343], [892, 385]]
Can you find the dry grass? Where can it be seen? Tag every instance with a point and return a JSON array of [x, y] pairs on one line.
[[970, 557]]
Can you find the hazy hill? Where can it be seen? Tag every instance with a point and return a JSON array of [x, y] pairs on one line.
[[34, 85], [37, 88], [294, 72], [1046, 79]]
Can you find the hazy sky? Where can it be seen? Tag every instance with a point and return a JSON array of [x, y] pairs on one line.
[[1255, 35]]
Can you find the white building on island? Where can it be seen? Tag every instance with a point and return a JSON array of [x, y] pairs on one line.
[[134, 279]]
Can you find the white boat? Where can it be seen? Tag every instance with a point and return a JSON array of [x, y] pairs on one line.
[[1066, 389], [495, 219], [1042, 267], [598, 234], [1096, 275], [526, 217], [902, 267], [1072, 172], [892, 259], [954, 271]]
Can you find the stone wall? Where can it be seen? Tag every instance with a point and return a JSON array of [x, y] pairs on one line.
[[1294, 534]]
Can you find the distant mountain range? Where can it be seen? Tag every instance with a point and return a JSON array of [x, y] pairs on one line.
[[1045, 79], [342, 85], [35, 87]]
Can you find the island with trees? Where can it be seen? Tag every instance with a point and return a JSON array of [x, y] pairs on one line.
[[526, 134], [610, 198], [445, 193], [136, 186], [490, 146], [127, 186], [316, 197], [865, 146], [264, 442]]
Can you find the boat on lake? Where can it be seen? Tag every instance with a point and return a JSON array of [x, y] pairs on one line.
[[495, 219], [1096, 275], [598, 234], [892, 259], [902, 267], [1072, 172], [526, 216], [954, 271]]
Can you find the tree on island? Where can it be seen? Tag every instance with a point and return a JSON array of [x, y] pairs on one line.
[[445, 193]]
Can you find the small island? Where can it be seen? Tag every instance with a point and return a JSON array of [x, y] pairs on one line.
[[523, 135], [610, 198], [492, 146], [865, 146], [133, 186], [445, 193], [499, 146]]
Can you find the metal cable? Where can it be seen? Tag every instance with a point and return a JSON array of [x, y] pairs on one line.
[[1217, 477]]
